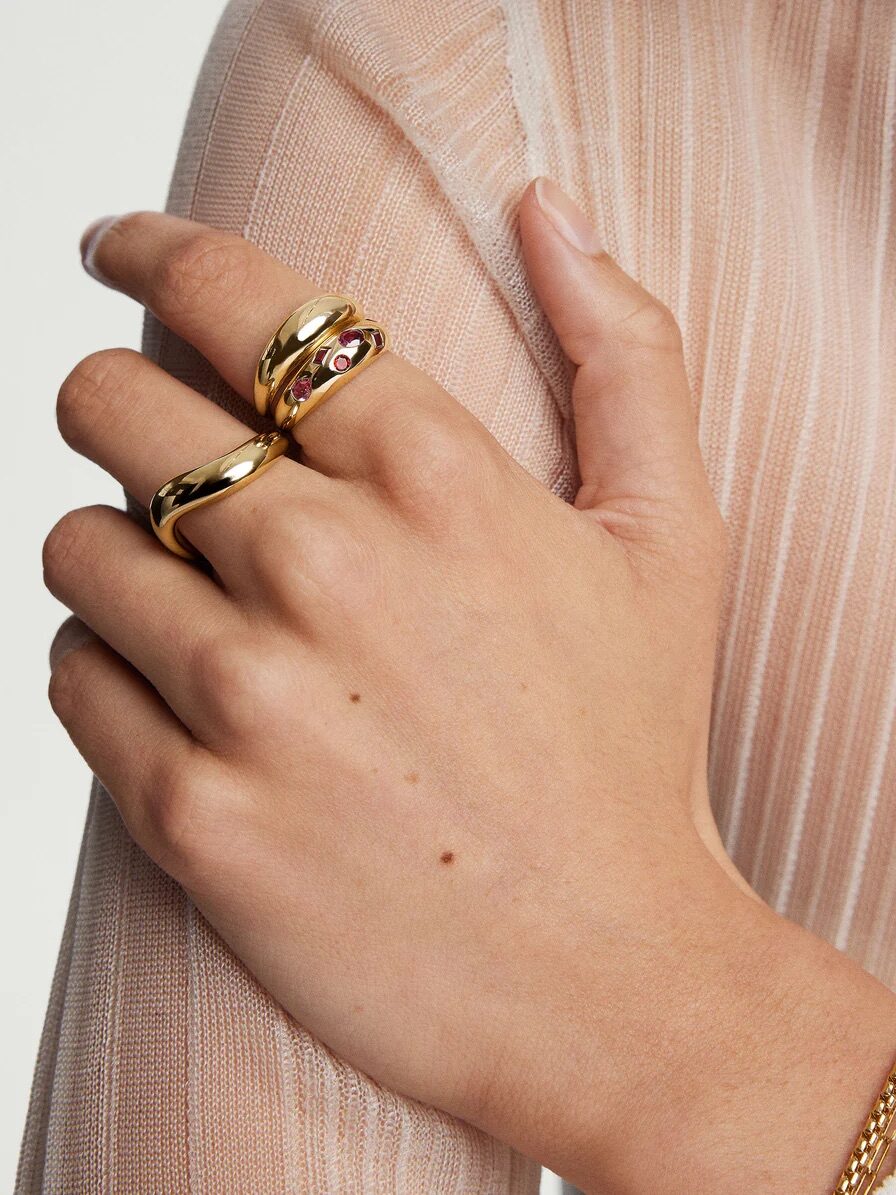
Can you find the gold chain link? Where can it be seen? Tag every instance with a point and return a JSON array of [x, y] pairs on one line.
[[873, 1144]]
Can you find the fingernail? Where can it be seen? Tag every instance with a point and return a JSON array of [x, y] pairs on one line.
[[71, 635], [567, 217], [90, 239]]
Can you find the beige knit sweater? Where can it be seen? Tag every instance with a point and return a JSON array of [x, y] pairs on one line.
[[738, 159]]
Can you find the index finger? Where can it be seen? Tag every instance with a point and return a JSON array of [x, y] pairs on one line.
[[227, 297]]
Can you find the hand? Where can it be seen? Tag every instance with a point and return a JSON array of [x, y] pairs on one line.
[[429, 748]]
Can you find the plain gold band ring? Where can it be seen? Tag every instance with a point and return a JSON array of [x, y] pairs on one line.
[[209, 483]]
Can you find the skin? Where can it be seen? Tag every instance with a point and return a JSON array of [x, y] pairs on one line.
[[428, 747]]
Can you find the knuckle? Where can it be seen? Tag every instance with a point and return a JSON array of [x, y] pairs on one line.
[[236, 680], [651, 325], [205, 266], [69, 538], [178, 810], [86, 394], [436, 461], [66, 685], [341, 565], [440, 452]]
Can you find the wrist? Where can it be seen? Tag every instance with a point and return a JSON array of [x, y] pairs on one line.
[[725, 1049], [758, 1077]]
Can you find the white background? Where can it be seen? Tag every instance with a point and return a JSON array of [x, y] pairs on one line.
[[93, 96]]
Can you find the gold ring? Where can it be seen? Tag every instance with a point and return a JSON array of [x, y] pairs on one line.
[[334, 362], [315, 350], [207, 484], [294, 340]]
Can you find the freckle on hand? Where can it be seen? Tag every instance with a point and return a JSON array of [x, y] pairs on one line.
[[356, 697], [412, 777], [447, 857]]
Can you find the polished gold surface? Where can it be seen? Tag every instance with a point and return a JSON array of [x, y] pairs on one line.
[[207, 484], [329, 364], [313, 352], [294, 341]]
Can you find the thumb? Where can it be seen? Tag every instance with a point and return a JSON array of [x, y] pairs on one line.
[[636, 433]]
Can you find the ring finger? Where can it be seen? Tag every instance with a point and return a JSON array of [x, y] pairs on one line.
[[143, 426]]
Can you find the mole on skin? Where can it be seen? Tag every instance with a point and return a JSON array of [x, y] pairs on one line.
[[447, 857], [412, 777], [356, 697]]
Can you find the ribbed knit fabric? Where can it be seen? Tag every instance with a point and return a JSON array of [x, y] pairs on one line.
[[738, 159]]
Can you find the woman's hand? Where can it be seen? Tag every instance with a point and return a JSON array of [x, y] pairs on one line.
[[429, 750]]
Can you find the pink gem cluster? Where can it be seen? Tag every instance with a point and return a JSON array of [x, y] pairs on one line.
[[300, 390]]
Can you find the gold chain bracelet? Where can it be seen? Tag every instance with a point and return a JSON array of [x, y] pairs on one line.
[[873, 1144]]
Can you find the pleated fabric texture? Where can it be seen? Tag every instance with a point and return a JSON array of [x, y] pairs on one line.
[[738, 159]]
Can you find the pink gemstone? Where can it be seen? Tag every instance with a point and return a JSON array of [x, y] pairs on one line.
[[341, 362], [320, 355], [350, 336], [378, 338], [301, 388]]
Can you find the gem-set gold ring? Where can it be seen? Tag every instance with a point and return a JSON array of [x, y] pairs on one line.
[[316, 349], [293, 342]]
